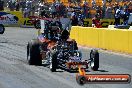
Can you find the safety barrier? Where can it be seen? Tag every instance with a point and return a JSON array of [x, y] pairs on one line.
[[105, 38]]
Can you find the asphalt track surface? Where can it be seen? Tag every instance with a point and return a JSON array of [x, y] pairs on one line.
[[16, 73]]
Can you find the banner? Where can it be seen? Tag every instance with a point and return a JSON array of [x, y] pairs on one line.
[[15, 18], [8, 18]]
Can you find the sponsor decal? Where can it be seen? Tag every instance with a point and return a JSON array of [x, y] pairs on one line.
[[7, 18]]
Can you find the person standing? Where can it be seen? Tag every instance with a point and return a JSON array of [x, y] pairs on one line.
[[96, 22], [17, 4], [11, 5], [99, 11], [93, 4], [53, 10], [23, 5], [103, 8], [74, 19], [85, 9], [28, 9], [117, 17], [1, 5], [109, 12], [33, 7], [115, 7], [58, 8], [126, 16], [69, 9]]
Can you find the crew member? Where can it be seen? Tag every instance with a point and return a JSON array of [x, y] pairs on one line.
[[126, 16], [74, 19], [117, 16], [96, 22], [1, 5]]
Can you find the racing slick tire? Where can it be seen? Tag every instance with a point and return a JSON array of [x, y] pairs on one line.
[[53, 62], [37, 24], [2, 29], [33, 53], [94, 57], [81, 80]]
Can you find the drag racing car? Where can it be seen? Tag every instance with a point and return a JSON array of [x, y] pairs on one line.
[[2, 29], [55, 49]]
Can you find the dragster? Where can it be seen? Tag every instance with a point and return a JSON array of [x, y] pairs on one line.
[[54, 48]]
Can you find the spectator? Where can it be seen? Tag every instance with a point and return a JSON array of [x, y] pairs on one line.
[[1, 5], [96, 22], [29, 4], [74, 19], [44, 14], [62, 9], [69, 9], [109, 12], [33, 8], [103, 8], [26, 13], [117, 0], [125, 5], [109, 1], [17, 4], [116, 6], [103, 1], [99, 11], [126, 16], [23, 5], [130, 6], [11, 5], [53, 10], [40, 10], [29, 7], [93, 4], [117, 16], [85, 9], [58, 8]]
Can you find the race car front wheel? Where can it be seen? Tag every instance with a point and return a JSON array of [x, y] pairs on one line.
[[33, 53], [94, 60], [2, 29]]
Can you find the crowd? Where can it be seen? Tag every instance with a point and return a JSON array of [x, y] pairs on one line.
[[75, 10]]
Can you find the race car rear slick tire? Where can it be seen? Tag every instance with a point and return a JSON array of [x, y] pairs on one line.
[[53, 64], [33, 52], [94, 56], [81, 80], [2, 29]]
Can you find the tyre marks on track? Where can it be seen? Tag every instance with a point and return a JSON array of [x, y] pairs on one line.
[[13, 52]]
